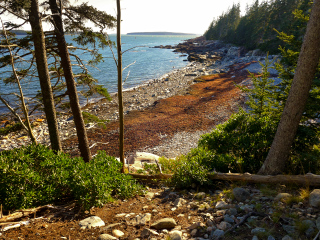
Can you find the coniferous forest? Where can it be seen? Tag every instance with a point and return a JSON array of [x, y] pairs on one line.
[[261, 24]]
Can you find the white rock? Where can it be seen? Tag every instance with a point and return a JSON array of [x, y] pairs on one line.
[[282, 196], [117, 233], [106, 237], [314, 198], [221, 205], [120, 215], [90, 222], [175, 235]]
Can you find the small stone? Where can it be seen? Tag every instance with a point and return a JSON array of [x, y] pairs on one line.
[[255, 238], [141, 220], [111, 226], [221, 212], [166, 223], [221, 205], [310, 232], [120, 215], [240, 194], [194, 232], [289, 229], [318, 223], [282, 196], [90, 222], [117, 233], [148, 232], [224, 225], [195, 225], [308, 223], [175, 235], [201, 195], [216, 234], [209, 223], [287, 237], [258, 230], [149, 195], [180, 215], [271, 237], [232, 211], [314, 198], [106, 237], [228, 219], [179, 202]]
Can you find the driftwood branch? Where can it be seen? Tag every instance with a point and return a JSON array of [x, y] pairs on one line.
[[306, 180]]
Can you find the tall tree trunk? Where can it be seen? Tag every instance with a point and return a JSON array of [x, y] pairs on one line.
[[298, 95], [43, 72], [71, 86], [120, 95]]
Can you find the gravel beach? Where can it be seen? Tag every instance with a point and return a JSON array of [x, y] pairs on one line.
[[140, 98]]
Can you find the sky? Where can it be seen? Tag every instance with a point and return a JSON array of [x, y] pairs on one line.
[[185, 16]]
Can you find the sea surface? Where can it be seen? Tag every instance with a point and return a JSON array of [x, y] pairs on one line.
[[147, 63]]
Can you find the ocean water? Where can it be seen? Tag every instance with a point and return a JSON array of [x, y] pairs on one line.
[[149, 63]]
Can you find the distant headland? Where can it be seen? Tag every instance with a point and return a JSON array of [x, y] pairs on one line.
[[159, 33]]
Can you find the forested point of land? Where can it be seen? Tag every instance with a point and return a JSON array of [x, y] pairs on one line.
[[159, 33], [261, 24]]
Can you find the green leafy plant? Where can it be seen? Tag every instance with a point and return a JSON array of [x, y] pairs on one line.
[[34, 175], [188, 172]]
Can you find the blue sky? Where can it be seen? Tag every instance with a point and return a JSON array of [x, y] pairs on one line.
[[167, 15]]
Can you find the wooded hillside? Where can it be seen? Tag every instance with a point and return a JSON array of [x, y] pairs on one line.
[[259, 26]]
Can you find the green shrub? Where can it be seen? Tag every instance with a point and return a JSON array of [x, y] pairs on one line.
[[239, 145], [189, 171], [34, 175]]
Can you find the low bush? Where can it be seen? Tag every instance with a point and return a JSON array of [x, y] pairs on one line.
[[188, 172], [34, 175]]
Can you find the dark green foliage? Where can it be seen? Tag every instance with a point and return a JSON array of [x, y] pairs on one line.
[[34, 175], [223, 27], [90, 118], [189, 171], [239, 145], [256, 28], [261, 96], [76, 19]]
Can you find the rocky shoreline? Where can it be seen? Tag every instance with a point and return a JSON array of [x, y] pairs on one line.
[[206, 57]]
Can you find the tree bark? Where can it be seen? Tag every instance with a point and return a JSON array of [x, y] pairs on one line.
[[70, 82], [120, 95], [298, 95], [301, 180], [43, 72]]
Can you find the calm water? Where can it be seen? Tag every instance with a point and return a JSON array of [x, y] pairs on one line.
[[150, 63]]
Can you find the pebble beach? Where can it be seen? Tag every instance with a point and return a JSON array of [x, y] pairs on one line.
[[177, 82]]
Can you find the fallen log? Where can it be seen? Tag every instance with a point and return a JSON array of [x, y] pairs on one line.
[[308, 179]]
